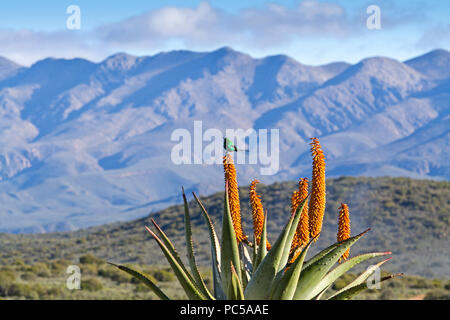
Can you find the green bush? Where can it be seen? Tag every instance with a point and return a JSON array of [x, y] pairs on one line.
[[22, 290], [40, 269], [91, 284], [90, 259], [20, 264], [140, 287], [422, 284], [28, 276], [58, 267], [114, 274], [437, 294], [89, 269], [163, 275], [7, 278], [386, 294]]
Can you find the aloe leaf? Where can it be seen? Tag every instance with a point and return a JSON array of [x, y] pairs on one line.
[[234, 287], [351, 292], [313, 274], [190, 251], [259, 286], [287, 246], [246, 262], [362, 277], [261, 249], [215, 252], [333, 275], [230, 251], [144, 279], [320, 255], [188, 285], [320, 295], [165, 239], [286, 287], [291, 234]]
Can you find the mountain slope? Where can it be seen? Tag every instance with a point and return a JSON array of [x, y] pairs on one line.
[[87, 143], [8, 68], [408, 217], [435, 64]]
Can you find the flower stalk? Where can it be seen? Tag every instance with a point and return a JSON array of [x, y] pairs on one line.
[[257, 214], [318, 190], [344, 228], [233, 196], [301, 237]]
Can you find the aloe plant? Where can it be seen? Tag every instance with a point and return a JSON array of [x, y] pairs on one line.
[[253, 271]]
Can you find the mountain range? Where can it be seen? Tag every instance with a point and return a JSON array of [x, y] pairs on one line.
[[86, 143]]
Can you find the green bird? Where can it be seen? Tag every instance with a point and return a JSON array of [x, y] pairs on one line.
[[229, 145]]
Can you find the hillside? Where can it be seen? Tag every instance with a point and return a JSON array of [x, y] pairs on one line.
[[408, 217], [85, 144]]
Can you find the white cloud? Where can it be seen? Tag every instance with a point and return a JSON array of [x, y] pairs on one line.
[[207, 26], [26, 46], [276, 24], [266, 29], [436, 37], [193, 26]]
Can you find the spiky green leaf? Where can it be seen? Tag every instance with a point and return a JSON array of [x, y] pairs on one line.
[[320, 255], [215, 252], [291, 234], [262, 280], [362, 277], [144, 279], [246, 264], [188, 285], [230, 251], [166, 241], [235, 291], [313, 274], [261, 249], [190, 251], [334, 274], [287, 285], [353, 291]]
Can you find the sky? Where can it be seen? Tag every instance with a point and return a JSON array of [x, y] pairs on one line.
[[311, 31]]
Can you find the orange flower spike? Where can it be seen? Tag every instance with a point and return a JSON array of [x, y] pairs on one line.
[[295, 200], [257, 213], [303, 225], [233, 196], [301, 236], [318, 190], [344, 228]]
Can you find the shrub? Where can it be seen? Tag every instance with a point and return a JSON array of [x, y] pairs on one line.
[[7, 278], [163, 275], [58, 267], [90, 259], [28, 276], [114, 275], [437, 294], [91, 284], [22, 290]]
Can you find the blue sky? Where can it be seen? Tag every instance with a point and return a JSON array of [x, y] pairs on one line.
[[311, 31]]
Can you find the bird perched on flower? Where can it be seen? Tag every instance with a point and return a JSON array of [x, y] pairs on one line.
[[228, 145]]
